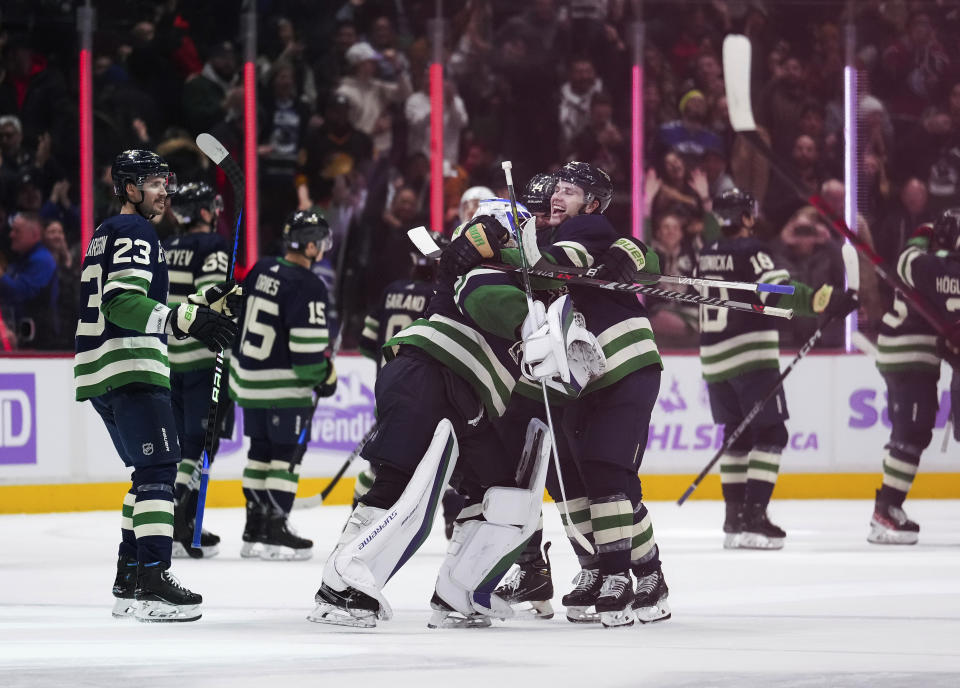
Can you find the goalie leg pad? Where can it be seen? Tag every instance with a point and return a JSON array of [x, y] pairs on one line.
[[382, 546], [482, 551]]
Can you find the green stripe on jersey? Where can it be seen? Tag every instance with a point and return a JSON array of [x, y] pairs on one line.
[[118, 362], [740, 354], [268, 388], [627, 346], [898, 353]]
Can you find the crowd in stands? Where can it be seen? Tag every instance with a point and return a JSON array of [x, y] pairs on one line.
[[343, 125]]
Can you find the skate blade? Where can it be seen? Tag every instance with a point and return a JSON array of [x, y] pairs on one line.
[[280, 553], [621, 618], [538, 609], [124, 608], [582, 615], [181, 552], [155, 611], [758, 541], [250, 550], [886, 536], [447, 619], [731, 540], [658, 612], [335, 616]]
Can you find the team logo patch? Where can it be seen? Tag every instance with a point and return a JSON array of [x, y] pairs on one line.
[[147, 448]]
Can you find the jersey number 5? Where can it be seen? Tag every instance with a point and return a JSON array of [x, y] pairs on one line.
[[251, 325]]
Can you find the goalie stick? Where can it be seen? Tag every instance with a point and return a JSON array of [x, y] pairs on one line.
[[736, 75], [214, 150], [426, 245]]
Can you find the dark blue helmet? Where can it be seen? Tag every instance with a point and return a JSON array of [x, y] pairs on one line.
[[946, 230], [731, 205], [536, 196], [191, 198], [134, 166], [304, 226], [595, 182]]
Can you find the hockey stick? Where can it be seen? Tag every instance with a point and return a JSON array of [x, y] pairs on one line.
[[528, 292], [426, 245], [736, 74], [317, 499], [758, 406], [214, 150]]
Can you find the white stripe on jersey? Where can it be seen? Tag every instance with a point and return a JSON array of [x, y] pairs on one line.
[[907, 340], [311, 348], [180, 276], [118, 343], [145, 275], [622, 328], [310, 332], [262, 375], [748, 356], [147, 365], [755, 338], [575, 252]]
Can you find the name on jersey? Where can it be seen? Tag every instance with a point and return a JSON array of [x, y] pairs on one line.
[[180, 256], [267, 285], [97, 246], [406, 302], [719, 261], [948, 285]]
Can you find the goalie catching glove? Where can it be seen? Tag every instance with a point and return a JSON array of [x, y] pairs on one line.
[[831, 301], [226, 298], [214, 330], [558, 349], [480, 240]]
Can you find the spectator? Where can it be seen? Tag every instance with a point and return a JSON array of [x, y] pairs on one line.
[[330, 66], [204, 94], [392, 64], [470, 200], [370, 97], [59, 209], [715, 167], [391, 247], [782, 101], [782, 199], [689, 136], [914, 66], [68, 280], [37, 92], [676, 323], [601, 142], [672, 189], [286, 48], [575, 96], [29, 284], [455, 119], [899, 222], [29, 190]]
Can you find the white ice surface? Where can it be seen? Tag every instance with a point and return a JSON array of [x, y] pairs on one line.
[[828, 610]]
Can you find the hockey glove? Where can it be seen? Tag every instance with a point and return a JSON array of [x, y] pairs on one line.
[[833, 302], [328, 387], [214, 330], [226, 298], [480, 240], [622, 261]]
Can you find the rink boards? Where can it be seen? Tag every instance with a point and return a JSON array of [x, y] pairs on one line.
[[55, 454]]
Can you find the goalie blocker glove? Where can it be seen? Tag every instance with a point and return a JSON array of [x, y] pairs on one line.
[[226, 298], [480, 240], [214, 330]]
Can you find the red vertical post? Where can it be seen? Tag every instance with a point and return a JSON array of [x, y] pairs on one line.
[[636, 123], [85, 19], [250, 206], [436, 123]]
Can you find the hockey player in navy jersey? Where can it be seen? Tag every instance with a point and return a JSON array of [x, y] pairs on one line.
[[279, 361], [908, 357], [197, 258], [121, 366], [739, 353]]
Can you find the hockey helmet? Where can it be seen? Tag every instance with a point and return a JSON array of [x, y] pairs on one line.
[[731, 205], [135, 166], [474, 193], [193, 197], [595, 182], [946, 229], [304, 226], [536, 195], [502, 210]]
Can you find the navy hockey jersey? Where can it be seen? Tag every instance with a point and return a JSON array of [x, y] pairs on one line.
[[195, 260], [402, 302], [279, 357], [123, 311]]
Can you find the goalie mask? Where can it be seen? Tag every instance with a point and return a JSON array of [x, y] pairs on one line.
[[303, 227]]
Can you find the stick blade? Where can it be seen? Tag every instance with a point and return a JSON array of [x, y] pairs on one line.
[[736, 75], [424, 242], [212, 148], [851, 263]]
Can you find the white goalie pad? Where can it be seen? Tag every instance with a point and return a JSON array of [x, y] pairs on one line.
[[482, 551], [369, 556], [558, 349]]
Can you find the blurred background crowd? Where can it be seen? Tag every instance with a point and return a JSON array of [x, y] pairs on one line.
[[343, 125]]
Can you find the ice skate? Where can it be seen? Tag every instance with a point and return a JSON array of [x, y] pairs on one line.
[[444, 616], [183, 534], [282, 544], [584, 596], [615, 601], [161, 597], [124, 586], [254, 532], [890, 525], [530, 585], [758, 531], [348, 608], [650, 598], [733, 525]]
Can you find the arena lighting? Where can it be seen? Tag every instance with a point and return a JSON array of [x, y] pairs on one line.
[[636, 152], [250, 209], [436, 146], [850, 175], [85, 26]]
